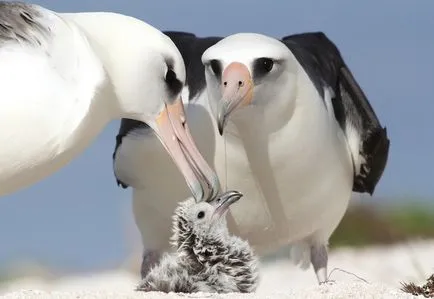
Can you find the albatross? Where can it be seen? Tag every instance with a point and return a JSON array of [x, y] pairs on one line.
[[65, 76], [205, 257], [291, 129]]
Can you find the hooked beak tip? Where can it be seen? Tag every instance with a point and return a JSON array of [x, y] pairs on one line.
[[225, 200], [221, 119], [221, 128]]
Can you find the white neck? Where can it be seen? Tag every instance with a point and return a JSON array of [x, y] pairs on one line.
[[109, 36]]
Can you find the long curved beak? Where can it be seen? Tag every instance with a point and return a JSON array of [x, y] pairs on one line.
[[172, 130], [237, 90]]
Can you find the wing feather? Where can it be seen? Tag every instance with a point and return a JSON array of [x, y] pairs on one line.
[[366, 137]]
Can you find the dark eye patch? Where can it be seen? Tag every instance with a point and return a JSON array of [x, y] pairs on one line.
[[173, 84], [216, 67], [262, 66], [201, 214]]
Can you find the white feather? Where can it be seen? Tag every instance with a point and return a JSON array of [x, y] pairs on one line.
[[58, 93]]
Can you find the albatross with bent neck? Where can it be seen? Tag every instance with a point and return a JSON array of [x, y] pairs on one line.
[[65, 76]]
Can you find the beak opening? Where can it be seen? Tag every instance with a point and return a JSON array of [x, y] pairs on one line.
[[225, 200], [173, 132]]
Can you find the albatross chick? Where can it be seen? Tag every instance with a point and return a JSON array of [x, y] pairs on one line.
[[207, 257]]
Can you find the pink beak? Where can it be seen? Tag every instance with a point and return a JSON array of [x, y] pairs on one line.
[[172, 130], [237, 85]]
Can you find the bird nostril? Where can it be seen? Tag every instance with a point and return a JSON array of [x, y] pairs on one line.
[[225, 83], [240, 83]]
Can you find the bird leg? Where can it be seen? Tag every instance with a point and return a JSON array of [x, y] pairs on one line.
[[150, 259], [319, 259]]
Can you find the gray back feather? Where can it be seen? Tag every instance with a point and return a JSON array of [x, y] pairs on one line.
[[22, 22]]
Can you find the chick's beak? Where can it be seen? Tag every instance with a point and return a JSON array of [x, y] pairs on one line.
[[172, 129], [224, 201], [237, 90]]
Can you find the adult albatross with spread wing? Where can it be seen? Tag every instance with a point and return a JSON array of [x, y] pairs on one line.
[[65, 76], [299, 137]]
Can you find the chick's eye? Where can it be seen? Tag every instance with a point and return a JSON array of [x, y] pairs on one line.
[[200, 215]]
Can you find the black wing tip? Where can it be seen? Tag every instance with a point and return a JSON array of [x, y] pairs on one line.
[[377, 153], [179, 33], [126, 127], [121, 184], [311, 33], [118, 181]]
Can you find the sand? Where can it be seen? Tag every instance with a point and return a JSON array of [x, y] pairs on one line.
[[348, 290], [379, 270]]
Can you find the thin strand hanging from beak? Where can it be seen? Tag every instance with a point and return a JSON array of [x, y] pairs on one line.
[[226, 164]]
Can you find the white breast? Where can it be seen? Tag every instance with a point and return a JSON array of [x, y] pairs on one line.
[[296, 182], [299, 179], [142, 162], [46, 100]]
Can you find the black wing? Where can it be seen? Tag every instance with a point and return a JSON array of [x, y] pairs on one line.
[[326, 68], [127, 126], [191, 49]]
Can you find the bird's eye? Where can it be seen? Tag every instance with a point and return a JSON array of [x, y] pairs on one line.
[[200, 215], [263, 66], [215, 67], [267, 64], [173, 84], [170, 76]]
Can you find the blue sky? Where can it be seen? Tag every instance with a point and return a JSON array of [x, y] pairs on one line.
[[80, 220]]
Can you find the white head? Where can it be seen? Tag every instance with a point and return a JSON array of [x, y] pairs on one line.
[[202, 220], [147, 74], [249, 70]]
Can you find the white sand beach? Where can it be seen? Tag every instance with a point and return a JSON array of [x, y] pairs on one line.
[[380, 271]]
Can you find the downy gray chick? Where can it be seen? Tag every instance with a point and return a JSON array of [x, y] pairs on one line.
[[207, 257]]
